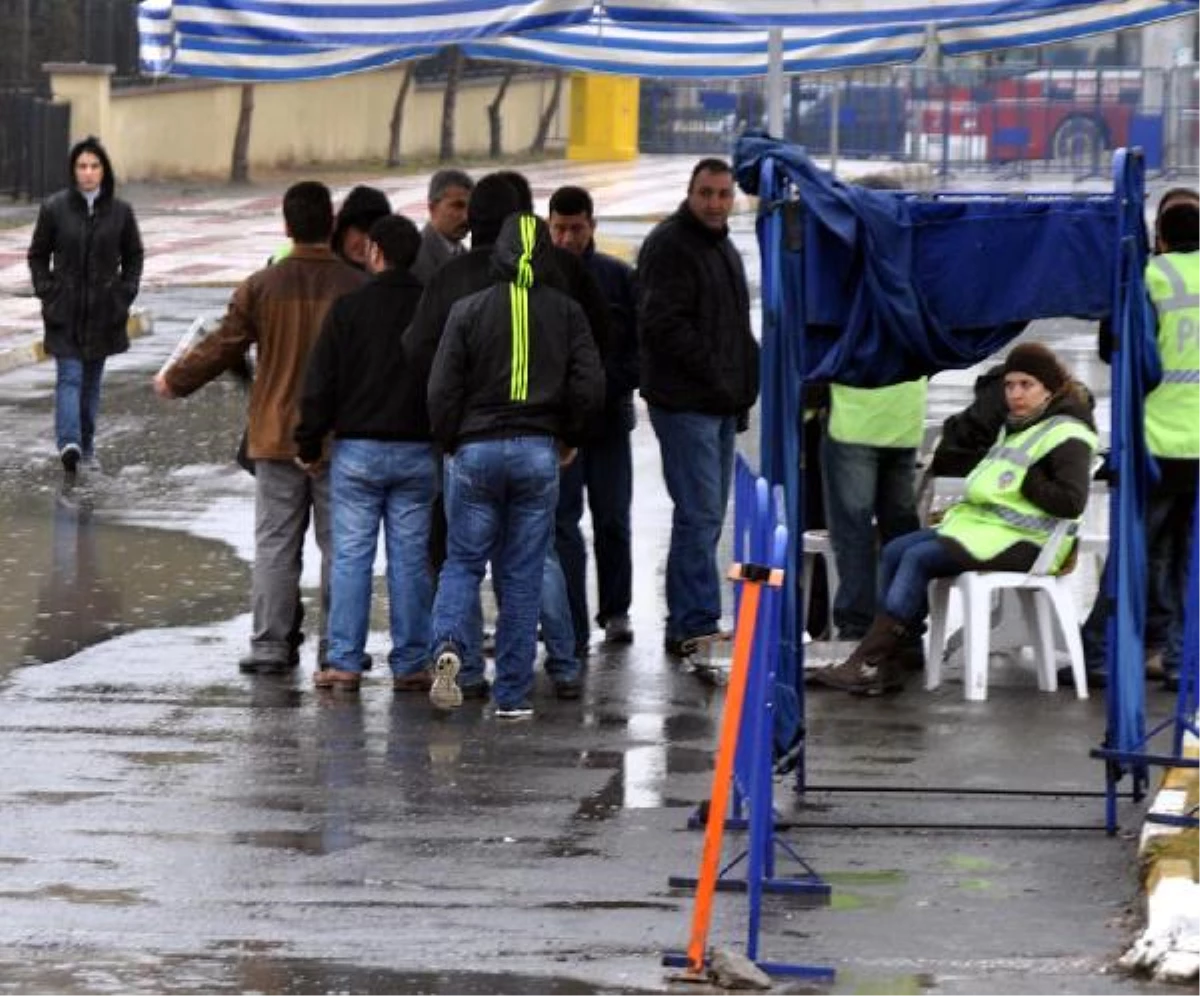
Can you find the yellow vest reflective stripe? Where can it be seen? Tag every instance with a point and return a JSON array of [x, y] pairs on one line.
[[282, 253], [995, 515], [892, 417], [1173, 408]]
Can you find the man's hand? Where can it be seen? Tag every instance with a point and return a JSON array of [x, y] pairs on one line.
[[162, 388], [309, 468], [566, 454]]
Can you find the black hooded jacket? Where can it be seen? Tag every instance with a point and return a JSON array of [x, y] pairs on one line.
[[518, 358], [86, 266]]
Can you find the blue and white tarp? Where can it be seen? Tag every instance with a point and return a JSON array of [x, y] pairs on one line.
[[259, 40]]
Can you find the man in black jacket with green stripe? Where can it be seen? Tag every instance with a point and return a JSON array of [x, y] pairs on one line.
[[515, 384]]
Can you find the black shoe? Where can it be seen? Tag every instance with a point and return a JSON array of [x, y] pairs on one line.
[[267, 665], [1095, 679], [676, 648], [480, 690], [1170, 681], [70, 455], [568, 689]]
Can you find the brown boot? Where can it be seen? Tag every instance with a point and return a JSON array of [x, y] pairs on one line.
[[871, 669]]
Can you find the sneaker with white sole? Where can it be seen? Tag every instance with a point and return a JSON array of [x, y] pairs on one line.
[[444, 693], [70, 455], [522, 710]]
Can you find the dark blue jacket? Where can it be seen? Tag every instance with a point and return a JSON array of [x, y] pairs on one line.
[[616, 281]]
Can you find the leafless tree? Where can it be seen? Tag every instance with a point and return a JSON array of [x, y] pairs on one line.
[[450, 102], [397, 122], [495, 137], [239, 169], [548, 114]]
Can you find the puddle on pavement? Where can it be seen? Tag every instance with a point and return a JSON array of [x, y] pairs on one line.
[[313, 842], [167, 758], [60, 798], [895, 985], [69, 579], [73, 894]]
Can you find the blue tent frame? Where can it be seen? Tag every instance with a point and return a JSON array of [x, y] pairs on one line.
[[802, 210]]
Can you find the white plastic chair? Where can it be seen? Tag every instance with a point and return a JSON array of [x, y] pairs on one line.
[[1042, 596]]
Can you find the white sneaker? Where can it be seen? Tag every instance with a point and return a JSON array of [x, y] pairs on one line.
[[445, 693]]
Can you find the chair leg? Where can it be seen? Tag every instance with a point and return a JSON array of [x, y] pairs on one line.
[[809, 561], [1064, 607], [1041, 608], [939, 611], [977, 604], [832, 578]]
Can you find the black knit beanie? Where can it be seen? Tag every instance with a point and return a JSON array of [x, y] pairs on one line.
[[1038, 361]]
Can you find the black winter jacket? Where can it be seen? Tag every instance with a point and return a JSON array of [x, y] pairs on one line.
[[86, 270], [359, 383], [516, 359], [698, 351], [616, 281]]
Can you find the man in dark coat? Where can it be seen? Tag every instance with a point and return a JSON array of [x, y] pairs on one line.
[[86, 262], [516, 382], [443, 234], [362, 387], [700, 377]]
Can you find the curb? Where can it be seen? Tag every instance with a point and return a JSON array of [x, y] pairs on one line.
[[1169, 948], [140, 323]]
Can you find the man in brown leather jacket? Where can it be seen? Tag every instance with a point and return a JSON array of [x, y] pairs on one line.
[[279, 310]]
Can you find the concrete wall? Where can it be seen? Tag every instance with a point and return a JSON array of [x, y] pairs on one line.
[[179, 129]]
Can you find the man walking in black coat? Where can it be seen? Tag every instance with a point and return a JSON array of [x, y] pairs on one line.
[[700, 377]]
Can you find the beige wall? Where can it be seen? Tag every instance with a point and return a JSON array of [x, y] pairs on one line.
[[185, 129]]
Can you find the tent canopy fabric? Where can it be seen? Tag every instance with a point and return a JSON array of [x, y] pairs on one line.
[[263, 40]]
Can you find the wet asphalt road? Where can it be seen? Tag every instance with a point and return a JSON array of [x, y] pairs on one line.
[[172, 826]]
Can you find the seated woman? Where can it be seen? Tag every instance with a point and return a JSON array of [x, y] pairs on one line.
[[1037, 473]]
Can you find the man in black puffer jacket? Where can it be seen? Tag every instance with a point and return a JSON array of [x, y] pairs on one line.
[[86, 262], [516, 379], [700, 377]]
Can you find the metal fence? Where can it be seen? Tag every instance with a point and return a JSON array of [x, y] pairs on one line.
[[1053, 118], [34, 142]]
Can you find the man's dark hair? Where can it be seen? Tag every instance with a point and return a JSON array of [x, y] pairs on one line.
[[444, 179], [570, 201], [1179, 227], [398, 240], [308, 211], [708, 166], [493, 199], [520, 183]]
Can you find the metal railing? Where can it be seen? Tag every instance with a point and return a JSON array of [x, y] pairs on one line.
[[34, 142], [1059, 119]]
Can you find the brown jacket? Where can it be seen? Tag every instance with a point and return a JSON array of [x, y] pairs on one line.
[[280, 309]]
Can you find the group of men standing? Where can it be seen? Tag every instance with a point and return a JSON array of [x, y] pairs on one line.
[[396, 368]]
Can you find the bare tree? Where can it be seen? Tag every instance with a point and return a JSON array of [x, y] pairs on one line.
[[495, 139], [239, 169], [543, 132], [450, 102], [397, 122]]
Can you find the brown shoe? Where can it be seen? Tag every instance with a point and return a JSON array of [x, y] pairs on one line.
[[339, 681], [872, 668], [418, 681]]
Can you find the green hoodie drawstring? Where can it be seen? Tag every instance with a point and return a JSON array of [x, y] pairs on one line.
[[518, 300]]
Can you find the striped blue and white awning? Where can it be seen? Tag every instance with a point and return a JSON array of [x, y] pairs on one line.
[[263, 40]]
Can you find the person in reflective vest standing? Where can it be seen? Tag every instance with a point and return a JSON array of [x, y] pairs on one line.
[[1036, 475]]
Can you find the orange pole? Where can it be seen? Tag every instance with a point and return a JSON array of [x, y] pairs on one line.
[[735, 695]]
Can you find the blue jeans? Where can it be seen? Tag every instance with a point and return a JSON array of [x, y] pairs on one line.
[[392, 482], [864, 486], [558, 633], [697, 461], [907, 565], [77, 402], [500, 499], [605, 469]]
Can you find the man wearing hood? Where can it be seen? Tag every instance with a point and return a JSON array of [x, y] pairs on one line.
[[516, 380], [86, 262], [699, 375]]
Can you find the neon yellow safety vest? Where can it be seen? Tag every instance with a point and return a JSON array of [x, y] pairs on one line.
[[891, 417], [1173, 408], [995, 515]]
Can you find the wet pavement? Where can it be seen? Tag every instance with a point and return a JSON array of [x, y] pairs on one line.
[[173, 826]]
